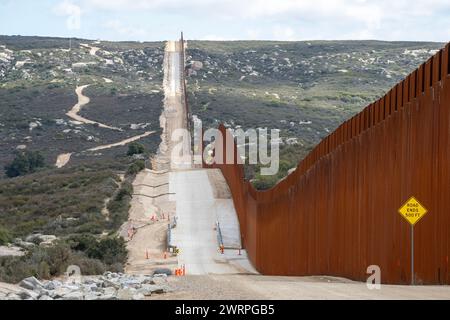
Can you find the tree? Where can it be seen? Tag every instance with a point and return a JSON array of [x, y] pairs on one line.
[[135, 148], [25, 162]]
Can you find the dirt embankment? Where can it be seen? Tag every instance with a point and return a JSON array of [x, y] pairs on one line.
[[151, 206], [147, 225]]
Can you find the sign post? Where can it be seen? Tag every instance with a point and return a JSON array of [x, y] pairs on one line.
[[412, 211], [412, 254]]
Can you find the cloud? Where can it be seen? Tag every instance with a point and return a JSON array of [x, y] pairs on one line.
[[122, 29], [72, 12], [281, 19]]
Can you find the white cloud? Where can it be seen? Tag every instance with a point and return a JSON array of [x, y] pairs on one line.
[[125, 30], [72, 12], [331, 19]]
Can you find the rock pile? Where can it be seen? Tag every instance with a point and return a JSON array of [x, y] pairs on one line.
[[109, 286]]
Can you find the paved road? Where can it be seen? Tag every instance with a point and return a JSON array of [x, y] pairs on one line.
[[174, 76], [174, 114], [197, 211]]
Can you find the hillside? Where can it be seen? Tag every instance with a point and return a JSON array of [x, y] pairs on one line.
[[304, 89], [71, 215], [38, 77]]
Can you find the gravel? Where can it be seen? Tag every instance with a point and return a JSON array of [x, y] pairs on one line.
[[109, 286]]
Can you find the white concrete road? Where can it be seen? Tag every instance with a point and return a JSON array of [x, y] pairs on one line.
[[173, 117], [174, 74], [195, 234]]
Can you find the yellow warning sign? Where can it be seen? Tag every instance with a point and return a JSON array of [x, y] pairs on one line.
[[412, 210]]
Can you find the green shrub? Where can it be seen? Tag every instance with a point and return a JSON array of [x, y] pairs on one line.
[[5, 236], [25, 162], [109, 250], [136, 167], [88, 266], [44, 201], [125, 191], [135, 148], [91, 255], [264, 182]]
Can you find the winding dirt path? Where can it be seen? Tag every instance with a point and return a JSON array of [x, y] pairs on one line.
[[83, 101], [122, 143], [64, 158], [92, 50]]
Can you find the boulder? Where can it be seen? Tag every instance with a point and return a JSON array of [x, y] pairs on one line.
[[92, 296], [61, 292], [110, 284], [12, 296], [28, 294], [45, 297], [31, 283], [133, 283], [109, 291], [52, 285], [24, 244], [74, 295], [126, 294], [162, 271], [138, 296], [149, 289], [196, 65], [37, 237], [108, 297]]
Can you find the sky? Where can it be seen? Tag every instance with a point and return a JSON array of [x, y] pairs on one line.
[[155, 20]]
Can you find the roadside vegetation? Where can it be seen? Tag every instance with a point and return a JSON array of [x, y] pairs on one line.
[[92, 255]]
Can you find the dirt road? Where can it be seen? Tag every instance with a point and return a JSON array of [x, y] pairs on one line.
[[257, 287], [123, 142], [92, 50], [149, 215], [83, 101], [62, 160]]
